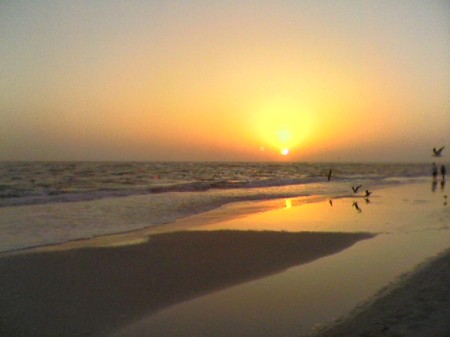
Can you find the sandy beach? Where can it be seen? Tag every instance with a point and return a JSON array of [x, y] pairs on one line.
[[92, 291], [291, 267], [415, 306]]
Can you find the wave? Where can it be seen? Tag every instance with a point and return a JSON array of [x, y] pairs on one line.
[[42, 183]]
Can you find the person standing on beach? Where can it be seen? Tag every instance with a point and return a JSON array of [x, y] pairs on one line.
[[435, 171], [443, 171]]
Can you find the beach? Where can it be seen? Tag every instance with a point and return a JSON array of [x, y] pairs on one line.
[[285, 267], [92, 291], [416, 305]]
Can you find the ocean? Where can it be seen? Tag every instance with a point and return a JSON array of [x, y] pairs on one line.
[[44, 203]]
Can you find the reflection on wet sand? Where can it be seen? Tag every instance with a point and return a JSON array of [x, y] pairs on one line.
[[95, 290]]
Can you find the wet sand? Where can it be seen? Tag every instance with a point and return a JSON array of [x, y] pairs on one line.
[[418, 305], [412, 224], [93, 291]]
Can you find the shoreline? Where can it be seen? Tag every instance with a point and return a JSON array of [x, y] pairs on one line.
[[226, 212], [14, 215], [410, 225]]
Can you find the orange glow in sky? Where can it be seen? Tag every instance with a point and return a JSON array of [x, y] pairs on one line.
[[244, 81]]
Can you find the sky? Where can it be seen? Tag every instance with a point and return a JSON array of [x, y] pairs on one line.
[[224, 80]]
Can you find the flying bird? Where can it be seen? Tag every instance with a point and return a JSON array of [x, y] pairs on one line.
[[368, 193], [355, 189], [437, 152]]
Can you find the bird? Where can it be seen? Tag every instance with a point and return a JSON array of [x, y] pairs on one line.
[[329, 175], [368, 193], [437, 152], [355, 204], [355, 189]]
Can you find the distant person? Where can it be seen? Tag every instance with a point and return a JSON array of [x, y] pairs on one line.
[[443, 171], [435, 171]]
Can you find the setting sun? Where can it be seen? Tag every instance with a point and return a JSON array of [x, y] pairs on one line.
[[283, 122], [239, 81]]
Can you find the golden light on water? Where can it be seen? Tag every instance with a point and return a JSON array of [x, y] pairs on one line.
[[287, 203]]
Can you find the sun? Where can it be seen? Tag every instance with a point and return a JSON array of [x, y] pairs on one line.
[[283, 123]]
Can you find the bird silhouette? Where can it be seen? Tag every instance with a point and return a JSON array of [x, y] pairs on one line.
[[355, 204], [368, 193], [437, 152], [355, 189]]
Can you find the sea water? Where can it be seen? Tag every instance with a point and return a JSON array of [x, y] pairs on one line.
[[43, 203]]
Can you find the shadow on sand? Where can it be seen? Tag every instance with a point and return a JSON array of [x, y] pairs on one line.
[[93, 291]]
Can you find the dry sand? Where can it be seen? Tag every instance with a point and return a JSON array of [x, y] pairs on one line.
[[418, 305], [93, 291]]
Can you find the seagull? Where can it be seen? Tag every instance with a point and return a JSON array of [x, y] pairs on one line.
[[329, 175], [355, 189], [437, 152], [355, 204], [368, 193]]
